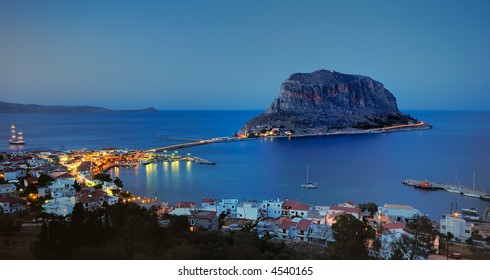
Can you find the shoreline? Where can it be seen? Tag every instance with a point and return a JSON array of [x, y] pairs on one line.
[[351, 131]]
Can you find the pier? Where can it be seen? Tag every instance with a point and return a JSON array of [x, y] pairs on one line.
[[195, 143], [457, 189]]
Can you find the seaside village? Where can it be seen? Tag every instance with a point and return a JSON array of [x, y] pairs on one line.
[[53, 182]]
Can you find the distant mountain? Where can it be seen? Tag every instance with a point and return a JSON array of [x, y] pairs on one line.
[[326, 101], [6, 107]]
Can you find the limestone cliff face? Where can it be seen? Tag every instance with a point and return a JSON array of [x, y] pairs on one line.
[[326, 100]]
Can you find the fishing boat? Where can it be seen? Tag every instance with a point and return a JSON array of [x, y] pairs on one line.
[[424, 185], [17, 138], [470, 211], [308, 184]]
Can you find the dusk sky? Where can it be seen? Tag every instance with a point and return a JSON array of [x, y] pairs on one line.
[[235, 54]]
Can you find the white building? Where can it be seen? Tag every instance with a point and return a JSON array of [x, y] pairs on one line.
[[456, 225], [111, 199], [62, 188], [248, 211], [228, 206], [184, 209], [271, 208], [7, 190], [293, 208], [12, 204], [209, 204], [294, 229], [393, 213], [10, 174], [61, 206]]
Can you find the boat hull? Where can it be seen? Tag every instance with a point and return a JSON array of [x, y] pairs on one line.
[[471, 195]]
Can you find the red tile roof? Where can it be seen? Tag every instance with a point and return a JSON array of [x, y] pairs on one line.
[[288, 203], [350, 202], [304, 224], [208, 200], [65, 176], [399, 225], [12, 200], [300, 207], [186, 204], [203, 214], [346, 209]]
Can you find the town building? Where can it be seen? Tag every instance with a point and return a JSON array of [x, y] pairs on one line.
[[271, 208], [393, 213], [7, 190], [293, 228], [457, 225], [293, 208], [209, 204], [335, 211], [184, 209], [248, 210], [202, 219], [61, 206], [92, 199], [320, 234], [228, 206], [12, 204]]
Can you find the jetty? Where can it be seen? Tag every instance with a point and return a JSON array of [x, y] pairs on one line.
[[194, 143], [457, 189]]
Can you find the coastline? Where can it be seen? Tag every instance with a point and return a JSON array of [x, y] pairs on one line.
[[352, 131]]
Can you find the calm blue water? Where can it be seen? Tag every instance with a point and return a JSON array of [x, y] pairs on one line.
[[349, 167]]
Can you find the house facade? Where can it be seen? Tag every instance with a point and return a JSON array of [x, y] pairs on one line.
[[456, 225], [248, 210], [7, 190], [394, 213], [228, 206], [12, 204], [202, 219], [271, 208]]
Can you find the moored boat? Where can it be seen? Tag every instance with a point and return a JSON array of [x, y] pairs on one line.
[[17, 138], [308, 185], [454, 190], [471, 194], [470, 211], [424, 185]]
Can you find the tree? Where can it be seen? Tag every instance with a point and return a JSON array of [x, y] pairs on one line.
[[369, 206], [44, 180], [351, 238], [103, 177], [78, 214], [449, 236], [419, 242], [118, 183], [77, 186], [40, 247]]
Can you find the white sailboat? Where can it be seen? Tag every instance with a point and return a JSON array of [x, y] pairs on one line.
[[455, 189], [472, 192], [308, 184]]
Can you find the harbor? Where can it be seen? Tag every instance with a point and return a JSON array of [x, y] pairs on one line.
[[452, 188]]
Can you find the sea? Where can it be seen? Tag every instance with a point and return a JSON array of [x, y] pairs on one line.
[[359, 168]]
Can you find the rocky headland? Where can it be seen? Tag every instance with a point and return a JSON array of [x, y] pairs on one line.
[[326, 102]]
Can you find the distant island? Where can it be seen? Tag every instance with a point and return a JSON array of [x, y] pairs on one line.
[[6, 107], [329, 102]]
